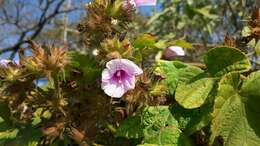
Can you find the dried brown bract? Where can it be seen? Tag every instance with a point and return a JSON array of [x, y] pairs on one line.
[[105, 19], [51, 59]]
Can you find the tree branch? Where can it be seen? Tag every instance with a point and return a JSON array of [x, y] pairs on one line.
[[35, 30]]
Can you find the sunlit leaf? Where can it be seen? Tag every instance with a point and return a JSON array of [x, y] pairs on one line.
[[222, 60], [194, 94], [236, 111]]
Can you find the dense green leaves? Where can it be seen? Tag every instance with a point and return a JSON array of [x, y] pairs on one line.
[[4, 111], [28, 136], [155, 124], [193, 120], [219, 61], [174, 72], [21, 134], [150, 118], [6, 131], [86, 64], [193, 86], [168, 71], [236, 111], [222, 60], [131, 128], [144, 41], [167, 135]]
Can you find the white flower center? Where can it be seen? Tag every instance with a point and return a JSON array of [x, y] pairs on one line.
[[118, 73]]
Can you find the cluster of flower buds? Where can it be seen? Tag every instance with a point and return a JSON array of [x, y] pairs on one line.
[[48, 60], [9, 69]]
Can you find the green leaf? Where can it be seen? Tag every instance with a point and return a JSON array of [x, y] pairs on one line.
[[167, 135], [167, 70], [174, 72], [150, 122], [39, 114], [6, 130], [144, 41], [24, 135], [5, 111], [257, 48], [87, 65], [161, 44], [156, 125], [158, 15], [186, 72], [193, 94], [131, 128], [8, 133], [222, 60], [191, 121], [183, 44], [27, 136], [205, 11], [246, 31], [236, 111], [146, 144]]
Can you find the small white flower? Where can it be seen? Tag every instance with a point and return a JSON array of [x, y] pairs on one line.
[[95, 52], [114, 21], [25, 108]]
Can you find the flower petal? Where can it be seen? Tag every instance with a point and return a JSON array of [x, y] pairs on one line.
[[126, 3], [113, 89], [5, 62], [178, 50], [129, 84], [124, 64], [145, 2], [106, 75]]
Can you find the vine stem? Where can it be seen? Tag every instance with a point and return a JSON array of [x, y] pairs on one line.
[[200, 65]]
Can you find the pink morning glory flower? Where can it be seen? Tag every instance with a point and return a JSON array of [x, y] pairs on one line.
[[145, 2], [138, 3], [131, 2], [119, 76]]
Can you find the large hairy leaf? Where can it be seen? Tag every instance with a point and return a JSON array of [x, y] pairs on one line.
[[174, 72], [193, 120], [222, 60], [236, 115], [193, 87], [131, 128], [169, 72], [149, 118], [168, 135], [155, 124], [193, 95]]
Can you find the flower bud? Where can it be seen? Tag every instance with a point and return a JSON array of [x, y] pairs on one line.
[[172, 52]]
